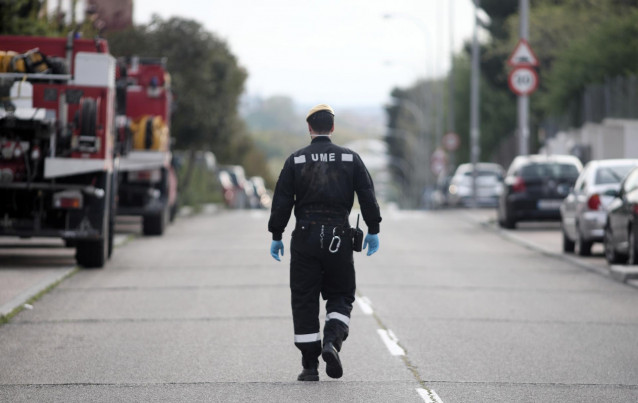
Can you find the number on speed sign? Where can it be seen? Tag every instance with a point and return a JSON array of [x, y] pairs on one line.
[[523, 80]]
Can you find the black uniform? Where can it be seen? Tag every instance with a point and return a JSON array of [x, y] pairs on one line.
[[320, 181]]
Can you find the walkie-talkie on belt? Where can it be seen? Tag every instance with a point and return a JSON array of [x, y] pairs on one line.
[[357, 238]]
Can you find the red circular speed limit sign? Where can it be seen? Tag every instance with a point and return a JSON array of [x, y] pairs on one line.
[[523, 80]]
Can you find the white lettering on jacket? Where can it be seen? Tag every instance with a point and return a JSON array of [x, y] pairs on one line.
[[323, 157]]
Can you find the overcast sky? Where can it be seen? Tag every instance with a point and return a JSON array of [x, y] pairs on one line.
[[341, 52]]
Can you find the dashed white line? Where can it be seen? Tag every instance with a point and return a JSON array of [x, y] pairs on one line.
[[365, 305], [429, 396], [391, 342]]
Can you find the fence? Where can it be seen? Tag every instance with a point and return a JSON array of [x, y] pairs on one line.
[[615, 98]]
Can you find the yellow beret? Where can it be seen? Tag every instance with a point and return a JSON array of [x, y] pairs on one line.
[[320, 107]]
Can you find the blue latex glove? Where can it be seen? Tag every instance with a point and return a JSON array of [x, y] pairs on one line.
[[275, 248], [372, 242]]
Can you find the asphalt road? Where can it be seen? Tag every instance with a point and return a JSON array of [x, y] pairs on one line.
[[448, 310]]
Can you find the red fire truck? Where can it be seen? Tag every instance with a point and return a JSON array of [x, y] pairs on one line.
[[57, 142], [148, 184]]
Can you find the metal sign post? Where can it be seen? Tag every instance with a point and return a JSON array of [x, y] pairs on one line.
[[475, 150], [523, 80], [523, 100]]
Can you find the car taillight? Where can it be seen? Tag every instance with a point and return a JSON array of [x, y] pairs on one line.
[[519, 185], [593, 203]]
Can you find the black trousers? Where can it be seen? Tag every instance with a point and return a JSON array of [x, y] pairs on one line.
[[314, 271]]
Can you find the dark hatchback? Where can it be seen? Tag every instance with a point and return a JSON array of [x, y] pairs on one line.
[[535, 187], [622, 216]]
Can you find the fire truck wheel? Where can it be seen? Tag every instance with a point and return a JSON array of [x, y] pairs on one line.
[[92, 254], [155, 224], [112, 211], [111, 235]]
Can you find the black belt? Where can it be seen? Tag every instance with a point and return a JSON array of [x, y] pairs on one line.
[[331, 233]]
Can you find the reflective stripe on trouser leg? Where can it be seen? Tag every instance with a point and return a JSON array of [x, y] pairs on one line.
[[307, 338], [338, 316], [336, 329], [310, 347]]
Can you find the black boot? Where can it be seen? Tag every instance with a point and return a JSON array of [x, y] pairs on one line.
[[309, 372], [333, 363]]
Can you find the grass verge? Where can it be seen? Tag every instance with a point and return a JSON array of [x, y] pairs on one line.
[[6, 318]]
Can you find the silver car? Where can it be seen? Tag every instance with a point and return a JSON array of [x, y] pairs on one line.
[[583, 212], [489, 183]]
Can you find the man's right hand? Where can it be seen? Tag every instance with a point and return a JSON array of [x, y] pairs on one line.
[[275, 248]]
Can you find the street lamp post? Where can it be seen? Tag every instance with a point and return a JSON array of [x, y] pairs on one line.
[[474, 103]]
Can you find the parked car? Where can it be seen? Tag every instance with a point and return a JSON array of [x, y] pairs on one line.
[[235, 186], [535, 187], [583, 212], [489, 178], [620, 229], [441, 192], [259, 196]]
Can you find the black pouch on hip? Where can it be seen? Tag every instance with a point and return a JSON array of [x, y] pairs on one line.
[[357, 237]]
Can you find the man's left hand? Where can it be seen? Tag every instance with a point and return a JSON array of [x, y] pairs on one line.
[[372, 242]]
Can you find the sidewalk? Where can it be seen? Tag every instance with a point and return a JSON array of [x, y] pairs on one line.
[[546, 238], [29, 267]]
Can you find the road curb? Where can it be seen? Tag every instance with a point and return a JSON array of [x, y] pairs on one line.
[[616, 273], [15, 305], [532, 246]]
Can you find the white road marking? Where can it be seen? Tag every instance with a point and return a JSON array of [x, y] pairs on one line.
[[391, 342], [365, 305], [429, 396]]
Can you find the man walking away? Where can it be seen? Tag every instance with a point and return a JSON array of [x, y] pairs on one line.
[[320, 182]]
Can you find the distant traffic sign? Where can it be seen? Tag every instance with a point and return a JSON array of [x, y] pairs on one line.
[[523, 55], [438, 161], [451, 141], [523, 80]]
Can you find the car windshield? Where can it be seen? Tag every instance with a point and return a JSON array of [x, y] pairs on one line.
[[549, 170], [614, 174]]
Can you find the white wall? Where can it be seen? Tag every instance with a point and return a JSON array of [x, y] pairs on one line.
[[613, 138]]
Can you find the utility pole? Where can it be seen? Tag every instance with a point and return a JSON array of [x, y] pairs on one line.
[[523, 100], [475, 149], [450, 116]]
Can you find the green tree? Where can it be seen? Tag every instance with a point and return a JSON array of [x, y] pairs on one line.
[[22, 17], [608, 50]]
